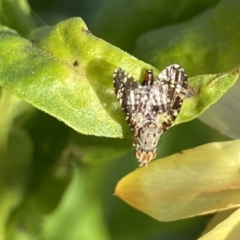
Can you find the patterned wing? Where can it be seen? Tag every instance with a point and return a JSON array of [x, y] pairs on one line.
[[127, 90], [173, 86]]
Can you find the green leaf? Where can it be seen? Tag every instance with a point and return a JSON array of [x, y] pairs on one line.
[[209, 43], [16, 14], [51, 171], [14, 174], [194, 182], [208, 90], [67, 72], [228, 229]]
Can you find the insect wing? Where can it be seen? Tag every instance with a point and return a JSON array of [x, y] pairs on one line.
[[173, 86], [127, 90]]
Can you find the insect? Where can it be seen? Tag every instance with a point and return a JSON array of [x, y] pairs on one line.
[[151, 107]]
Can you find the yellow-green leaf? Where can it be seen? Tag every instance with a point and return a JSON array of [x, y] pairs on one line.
[[229, 229], [194, 182]]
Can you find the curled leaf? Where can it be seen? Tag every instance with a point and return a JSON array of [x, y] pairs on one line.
[[229, 229]]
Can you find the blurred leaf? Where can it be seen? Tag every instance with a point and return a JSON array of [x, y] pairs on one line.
[[121, 22], [81, 208], [45, 186], [224, 115], [97, 149], [229, 229], [15, 154], [16, 14], [194, 182], [9, 109], [209, 43], [14, 174]]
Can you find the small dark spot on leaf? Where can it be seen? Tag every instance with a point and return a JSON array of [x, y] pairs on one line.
[[191, 92], [34, 41], [86, 30], [76, 63]]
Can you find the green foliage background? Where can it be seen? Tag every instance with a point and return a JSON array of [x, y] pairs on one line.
[[56, 183]]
